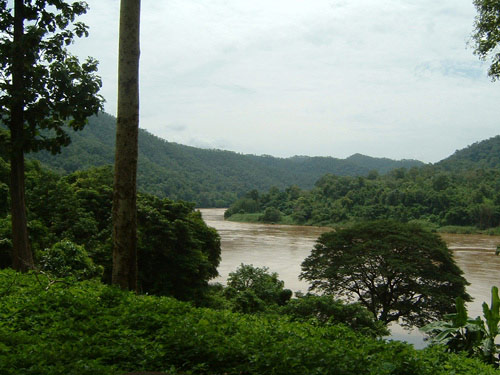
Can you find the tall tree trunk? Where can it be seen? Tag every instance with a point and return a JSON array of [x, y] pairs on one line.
[[127, 129], [22, 257]]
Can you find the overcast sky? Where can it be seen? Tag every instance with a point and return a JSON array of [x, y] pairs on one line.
[[385, 78]]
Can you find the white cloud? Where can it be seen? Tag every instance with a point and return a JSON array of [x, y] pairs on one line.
[[386, 78]]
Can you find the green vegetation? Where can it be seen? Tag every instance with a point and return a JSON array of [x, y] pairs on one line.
[[438, 195], [44, 91], [399, 272], [88, 328], [486, 35], [480, 155], [326, 310], [210, 178], [460, 333], [254, 289], [60, 317], [70, 221], [68, 259]]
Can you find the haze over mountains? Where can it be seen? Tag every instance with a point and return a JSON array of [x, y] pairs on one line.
[[210, 177]]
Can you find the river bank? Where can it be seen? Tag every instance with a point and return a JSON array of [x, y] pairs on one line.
[[288, 220]]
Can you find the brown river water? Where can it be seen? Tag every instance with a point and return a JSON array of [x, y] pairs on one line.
[[282, 248]]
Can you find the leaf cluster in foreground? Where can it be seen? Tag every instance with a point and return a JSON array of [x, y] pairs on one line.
[[90, 328]]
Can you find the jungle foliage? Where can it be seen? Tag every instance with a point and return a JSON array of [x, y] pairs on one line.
[[455, 192], [69, 219], [90, 328], [256, 290], [461, 333], [44, 91]]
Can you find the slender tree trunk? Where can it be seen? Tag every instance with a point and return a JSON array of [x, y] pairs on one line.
[[127, 129], [22, 257]]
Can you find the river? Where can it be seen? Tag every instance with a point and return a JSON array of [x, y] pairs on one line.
[[282, 248]]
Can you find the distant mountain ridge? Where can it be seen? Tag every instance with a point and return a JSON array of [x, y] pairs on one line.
[[207, 177]]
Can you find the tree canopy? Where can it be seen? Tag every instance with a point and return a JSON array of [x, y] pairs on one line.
[[59, 92], [434, 195], [70, 219], [43, 90], [397, 271], [486, 35], [210, 178]]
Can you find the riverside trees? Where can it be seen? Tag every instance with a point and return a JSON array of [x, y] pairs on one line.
[[70, 216], [43, 89], [397, 271]]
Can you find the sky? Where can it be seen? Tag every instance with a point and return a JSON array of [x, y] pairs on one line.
[[385, 78]]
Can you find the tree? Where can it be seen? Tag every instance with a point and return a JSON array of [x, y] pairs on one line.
[[487, 34], [178, 252], [43, 89], [397, 271], [127, 129], [255, 288]]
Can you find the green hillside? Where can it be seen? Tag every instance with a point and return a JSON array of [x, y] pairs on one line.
[[382, 165], [207, 177], [484, 154]]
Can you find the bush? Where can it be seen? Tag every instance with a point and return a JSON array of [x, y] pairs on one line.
[[68, 259], [89, 328], [253, 289], [271, 215], [325, 310]]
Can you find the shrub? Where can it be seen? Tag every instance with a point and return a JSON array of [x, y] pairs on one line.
[[66, 258], [88, 328], [325, 310], [253, 289], [271, 215]]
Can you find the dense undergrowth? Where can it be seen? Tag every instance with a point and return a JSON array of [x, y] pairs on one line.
[[70, 327]]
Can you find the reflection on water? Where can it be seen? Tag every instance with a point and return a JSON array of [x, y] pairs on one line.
[[282, 248]]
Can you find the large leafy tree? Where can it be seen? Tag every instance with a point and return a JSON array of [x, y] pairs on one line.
[[486, 36], [397, 271], [126, 152], [43, 90]]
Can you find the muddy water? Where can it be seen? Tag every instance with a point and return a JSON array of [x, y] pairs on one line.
[[475, 255], [282, 248]]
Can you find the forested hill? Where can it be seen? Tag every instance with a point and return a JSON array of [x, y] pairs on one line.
[[484, 154], [207, 177], [382, 165]]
